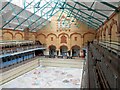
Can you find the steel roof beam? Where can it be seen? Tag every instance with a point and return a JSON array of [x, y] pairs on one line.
[[44, 21], [52, 10], [88, 23], [37, 5], [84, 17], [38, 18], [13, 9], [85, 13], [90, 9], [63, 6], [110, 5], [70, 13], [92, 4], [17, 14], [33, 14], [73, 8], [30, 19], [75, 14], [81, 19], [6, 5]]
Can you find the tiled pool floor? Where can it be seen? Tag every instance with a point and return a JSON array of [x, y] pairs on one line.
[[48, 77]]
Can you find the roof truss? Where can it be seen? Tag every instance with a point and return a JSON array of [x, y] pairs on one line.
[[86, 12]]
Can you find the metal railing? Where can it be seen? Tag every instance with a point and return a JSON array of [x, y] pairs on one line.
[[19, 49]]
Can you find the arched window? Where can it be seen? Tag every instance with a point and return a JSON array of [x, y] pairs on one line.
[[75, 38], [51, 38], [63, 39]]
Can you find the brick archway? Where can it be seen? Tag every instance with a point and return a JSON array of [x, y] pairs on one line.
[[51, 46], [41, 34], [19, 33], [114, 22], [75, 50], [52, 34], [75, 46], [63, 46], [75, 34], [88, 33], [104, 30], [63, 34], [9, 33]]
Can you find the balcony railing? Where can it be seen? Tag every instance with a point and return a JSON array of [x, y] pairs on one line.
[[19, 49]]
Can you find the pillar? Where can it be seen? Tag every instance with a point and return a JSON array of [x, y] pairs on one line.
[[118, 30], [55, 53], [26, 34], [46, 52], [1, 36], [59, 52], [109, 38], [81, 53], [71, 52], [82, 40]]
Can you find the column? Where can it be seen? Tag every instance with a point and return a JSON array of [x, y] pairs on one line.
[[26, 34], [1, 36], [79, 53], [59, 52], [109, 38], [67, 53], [71, 52], [46, 52], [82, 40], [118, 29]]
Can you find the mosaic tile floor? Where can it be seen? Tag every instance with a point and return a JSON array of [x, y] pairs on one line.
[[48, 77]]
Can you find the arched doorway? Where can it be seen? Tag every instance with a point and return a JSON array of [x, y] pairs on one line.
[[75, 51], [63, 50], [52, 50]]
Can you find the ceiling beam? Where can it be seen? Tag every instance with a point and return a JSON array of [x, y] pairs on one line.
[[87, 23], [13, 9], [44, 21], [86, 14], [73, 8], [47, 13], [90, 9], [39, 18], [84, 17], [5, 5], [54, 9], [17, 14], [81, 19], [63, 6], [42, 7], [110, 5]]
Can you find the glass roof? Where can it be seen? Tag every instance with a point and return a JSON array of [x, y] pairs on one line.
[[18, 14]]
